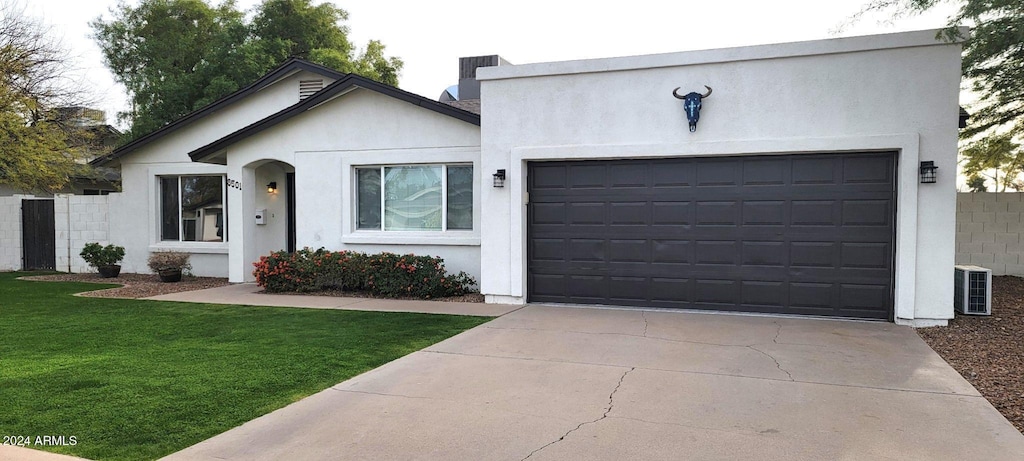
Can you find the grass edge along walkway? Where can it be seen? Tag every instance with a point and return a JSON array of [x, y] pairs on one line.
[[137, 379]]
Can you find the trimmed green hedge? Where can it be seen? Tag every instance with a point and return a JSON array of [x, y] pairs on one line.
[[383, 274]]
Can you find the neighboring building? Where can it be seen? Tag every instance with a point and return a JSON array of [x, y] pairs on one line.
[[797, 193], [92, 137]]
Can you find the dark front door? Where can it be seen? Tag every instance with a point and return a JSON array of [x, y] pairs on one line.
[[290, 213], [37, 235], [794, 234]]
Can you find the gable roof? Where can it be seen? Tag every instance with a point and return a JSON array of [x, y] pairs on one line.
[[287, 67], [341, 86]]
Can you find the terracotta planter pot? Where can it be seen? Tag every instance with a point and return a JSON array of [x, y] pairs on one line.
[[109, 271], [170, 275]]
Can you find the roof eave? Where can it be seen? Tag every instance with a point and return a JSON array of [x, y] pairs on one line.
[[286, 68], [335, 89]]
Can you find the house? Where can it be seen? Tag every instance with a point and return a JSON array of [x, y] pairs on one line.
[[798, 191]]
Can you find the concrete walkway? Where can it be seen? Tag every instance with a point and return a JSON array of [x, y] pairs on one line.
[[553, 383], [250, 294], [16, 453]]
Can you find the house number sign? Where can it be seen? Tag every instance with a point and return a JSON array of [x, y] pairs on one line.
[[235, 184]]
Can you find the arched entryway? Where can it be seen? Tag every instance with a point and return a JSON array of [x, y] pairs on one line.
[[267, 198]]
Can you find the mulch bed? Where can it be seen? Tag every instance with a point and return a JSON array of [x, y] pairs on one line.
[[134, 285], [989, 351]]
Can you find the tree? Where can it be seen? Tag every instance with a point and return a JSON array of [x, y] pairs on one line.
[[993, 58], [976, 184], [993, 63], [176, 56], [37, 151], [991, 156]]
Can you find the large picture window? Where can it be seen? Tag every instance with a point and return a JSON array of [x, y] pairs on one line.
[[192, 209], [415, 198]]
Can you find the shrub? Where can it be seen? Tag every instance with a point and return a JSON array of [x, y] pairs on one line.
[[167, 260], [98, 256], [385, 274]]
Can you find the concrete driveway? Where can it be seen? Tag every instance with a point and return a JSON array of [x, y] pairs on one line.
[[554, 383]]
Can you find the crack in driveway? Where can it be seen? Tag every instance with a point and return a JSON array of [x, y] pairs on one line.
[[611, 404], [777, 364]]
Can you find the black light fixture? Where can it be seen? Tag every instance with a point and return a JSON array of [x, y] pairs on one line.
[[499, 178], [272, 187], [928, 172]]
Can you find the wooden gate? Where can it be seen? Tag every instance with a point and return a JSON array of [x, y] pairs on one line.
[[37, 235]]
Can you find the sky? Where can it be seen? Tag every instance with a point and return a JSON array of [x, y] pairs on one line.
[[430, 36]]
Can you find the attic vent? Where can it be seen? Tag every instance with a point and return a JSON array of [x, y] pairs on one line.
[[308, 87]]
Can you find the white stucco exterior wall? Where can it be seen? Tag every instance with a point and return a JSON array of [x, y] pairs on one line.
[[360, 127], [134, 222], [887, 92]]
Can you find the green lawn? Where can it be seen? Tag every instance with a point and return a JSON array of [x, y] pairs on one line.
[[136, 379]]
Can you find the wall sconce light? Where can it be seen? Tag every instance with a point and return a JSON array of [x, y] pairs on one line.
[[499, 178], [272, 187], [928, 172]]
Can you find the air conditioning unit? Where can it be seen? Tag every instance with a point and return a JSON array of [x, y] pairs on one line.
[[972, 290]]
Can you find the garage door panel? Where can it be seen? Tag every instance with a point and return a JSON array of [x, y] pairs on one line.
[[721, 292], [863, 298], [548, 286], [547, 176], [672, 251], [814, 170], [629, 213], [587, 176], [673, 174], [717, 213], [587, 288], [717, 173], [628, 289], [671, 290], [586, 250], [672, 213], [764, 253], [812, 295], [765, 172], [877, 212], [764, 293], [629, 176], [875, 255], [813, 254], [587, 214], [866, 170], [628, 250], [813, 213], [803, 234], [764, 213], [548, 213], [548, 249], [716, 252]]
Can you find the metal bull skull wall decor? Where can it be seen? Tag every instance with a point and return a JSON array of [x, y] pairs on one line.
[[691, 103]]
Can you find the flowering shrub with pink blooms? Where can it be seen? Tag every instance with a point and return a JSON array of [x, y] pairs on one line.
[[384, 274]]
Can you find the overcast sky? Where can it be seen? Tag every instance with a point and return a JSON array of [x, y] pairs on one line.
[[430, 36]]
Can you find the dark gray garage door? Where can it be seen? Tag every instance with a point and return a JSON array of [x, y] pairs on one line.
[[795, 234]]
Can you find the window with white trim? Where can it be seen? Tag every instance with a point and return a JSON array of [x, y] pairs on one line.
[[414, 198], [192, 208]]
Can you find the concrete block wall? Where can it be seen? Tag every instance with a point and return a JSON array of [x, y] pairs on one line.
[[10, 232], [79, 219], [989, 228]]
